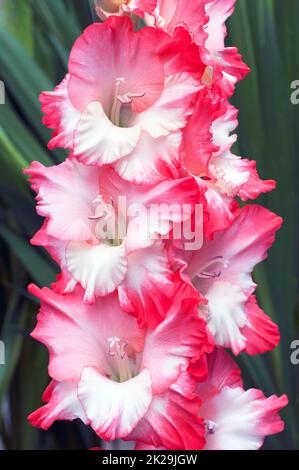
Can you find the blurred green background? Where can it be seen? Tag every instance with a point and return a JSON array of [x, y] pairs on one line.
[[35, 39]]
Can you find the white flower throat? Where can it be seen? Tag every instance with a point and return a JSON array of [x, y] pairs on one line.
[[122, 366], [121, 109]]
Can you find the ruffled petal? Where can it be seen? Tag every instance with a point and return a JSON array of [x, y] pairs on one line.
[[226, 315], [261, 333], [98, 268], [148, 288], [191, 15], [239, 248], [172, 347], [98, 141], [169, 113], [65, 194], [198, 147], [63, 404], [152, 160], [218, 11], [60, 115], [235, 419], [240, 420], [114, 409], [172, 421]]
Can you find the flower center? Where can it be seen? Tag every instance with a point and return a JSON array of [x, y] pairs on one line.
[[213, 268], [120, 363], [121, 104], [108, 228]]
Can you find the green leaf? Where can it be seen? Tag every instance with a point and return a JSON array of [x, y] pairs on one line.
[[38, 269], [16, 17]]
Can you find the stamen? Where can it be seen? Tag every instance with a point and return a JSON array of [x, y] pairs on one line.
[[121, 362], [120, 100], [206, 274], [103, 210], [116, 107], [128, 97]]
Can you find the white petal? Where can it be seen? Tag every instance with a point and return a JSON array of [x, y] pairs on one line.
[[241, 419], [230, 177], [99, 141], [98, 268], [153, 159], [114, 408], [169, 113], [227, 314]]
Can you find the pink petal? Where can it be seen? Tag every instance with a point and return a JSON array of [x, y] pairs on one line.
[[191, 15], [64, 195], [261, 333], [96, 62], [63, 404], [147, 290], [87, 329], [218, 12], [223, 371], [172, 421], [244, 244], [60, 115], [172, 347]]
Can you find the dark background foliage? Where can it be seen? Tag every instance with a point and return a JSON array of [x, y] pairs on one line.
[[35, 39]]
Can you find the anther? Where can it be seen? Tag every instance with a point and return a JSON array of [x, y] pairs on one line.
[[210, 426], [205, 273]]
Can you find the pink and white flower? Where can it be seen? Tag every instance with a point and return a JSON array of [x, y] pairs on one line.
[[221, 272], [133, 317], [225, 66], [205, 20], [106, 372], [236, 419], [206, 154], [106, 233], [126, 99]]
